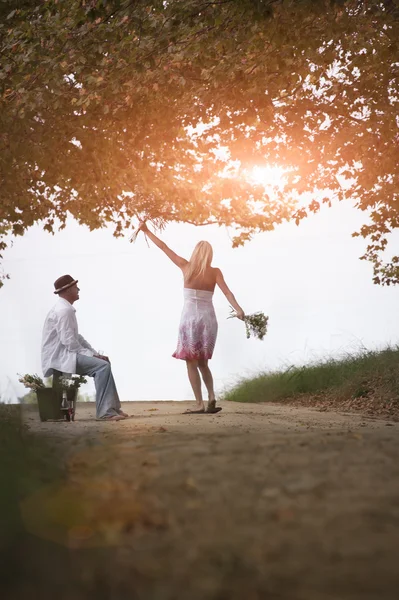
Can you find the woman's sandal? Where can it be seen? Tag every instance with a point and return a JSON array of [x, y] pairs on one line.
[[213, 409]]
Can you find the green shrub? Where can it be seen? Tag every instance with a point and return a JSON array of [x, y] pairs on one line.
[[355, 376]]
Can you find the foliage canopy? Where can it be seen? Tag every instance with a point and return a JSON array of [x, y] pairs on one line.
[[114, 109]]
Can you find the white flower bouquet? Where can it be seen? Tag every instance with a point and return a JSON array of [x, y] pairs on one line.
[[255, 324], [32, 382], [71, 383]]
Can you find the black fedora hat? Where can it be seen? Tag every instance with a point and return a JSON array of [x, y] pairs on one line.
[[63, 283]]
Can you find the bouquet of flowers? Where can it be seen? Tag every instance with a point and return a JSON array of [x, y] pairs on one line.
[[33, 382], [255, 324], [71, 383]]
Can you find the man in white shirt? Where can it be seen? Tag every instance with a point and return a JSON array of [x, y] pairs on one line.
[[65, 350]]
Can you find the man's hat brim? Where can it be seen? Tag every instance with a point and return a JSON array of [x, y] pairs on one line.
[[65, 287]]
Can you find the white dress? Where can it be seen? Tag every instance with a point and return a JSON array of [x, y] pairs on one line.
[[198, 326]]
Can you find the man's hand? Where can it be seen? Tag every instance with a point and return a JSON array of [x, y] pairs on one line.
[[102, 357]]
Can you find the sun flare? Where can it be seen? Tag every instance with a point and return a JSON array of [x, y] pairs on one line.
[[270, 176]]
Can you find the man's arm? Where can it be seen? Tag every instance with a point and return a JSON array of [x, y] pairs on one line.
[[69, 336], [85, 343]]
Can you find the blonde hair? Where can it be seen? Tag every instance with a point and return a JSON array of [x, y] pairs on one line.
[[200, 260]]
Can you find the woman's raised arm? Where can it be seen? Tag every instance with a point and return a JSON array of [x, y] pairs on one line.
[[175, 258]]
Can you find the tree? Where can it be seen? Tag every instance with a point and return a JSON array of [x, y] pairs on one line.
[[113, 109]]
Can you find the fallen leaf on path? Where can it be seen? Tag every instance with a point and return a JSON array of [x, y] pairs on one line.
[[193, 504], [285, 514], [150, 462], [270, 492], [93, 512], [190, 484], [80, 533]]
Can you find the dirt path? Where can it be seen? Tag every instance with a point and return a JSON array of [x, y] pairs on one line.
[[147, 416], [259, 502]]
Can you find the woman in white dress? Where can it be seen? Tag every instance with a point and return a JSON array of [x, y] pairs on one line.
[[198, 325]]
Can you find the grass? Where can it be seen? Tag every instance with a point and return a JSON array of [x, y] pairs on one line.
[[368, 375], [26, 463], [31, 565]]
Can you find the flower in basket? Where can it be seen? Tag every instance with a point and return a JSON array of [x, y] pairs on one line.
[[33, 382], [255, 324], [71, 383]]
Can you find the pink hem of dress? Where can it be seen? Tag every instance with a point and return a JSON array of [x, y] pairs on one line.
[[186, 356]]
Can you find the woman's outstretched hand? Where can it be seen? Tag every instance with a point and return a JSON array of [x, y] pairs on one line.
[[237, 312], [143, 226]]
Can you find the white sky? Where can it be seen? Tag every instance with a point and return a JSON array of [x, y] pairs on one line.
[[319, 296]]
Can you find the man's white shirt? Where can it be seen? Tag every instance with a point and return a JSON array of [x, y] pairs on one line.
[[61, 341]]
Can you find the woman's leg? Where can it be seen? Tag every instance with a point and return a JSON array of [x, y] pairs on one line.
[[195, 380], [208, 379]]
